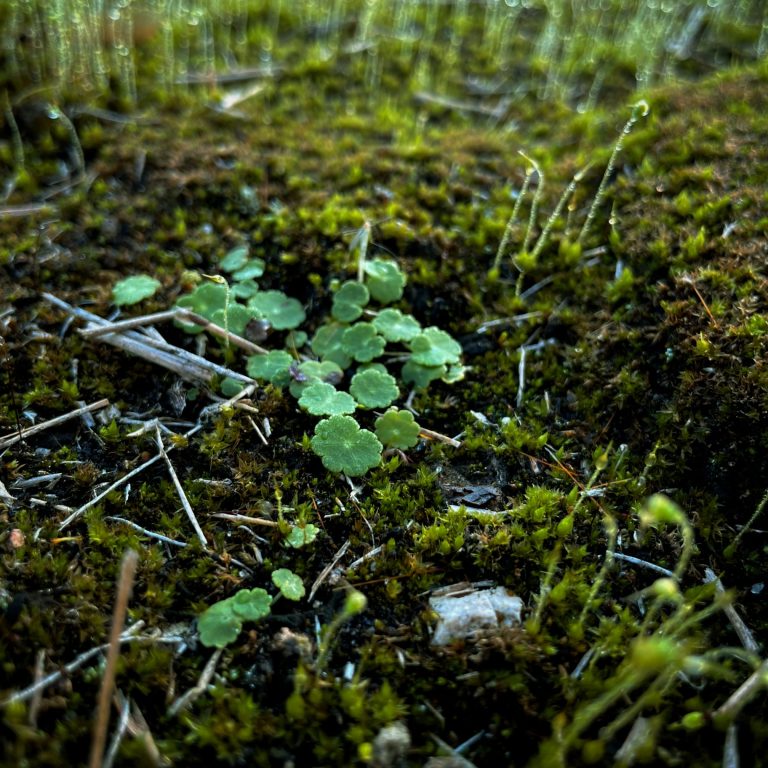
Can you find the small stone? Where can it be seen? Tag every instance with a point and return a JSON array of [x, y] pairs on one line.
[[463, 613], [391, 744]]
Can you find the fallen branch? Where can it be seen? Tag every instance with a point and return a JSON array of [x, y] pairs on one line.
[[187, 365]]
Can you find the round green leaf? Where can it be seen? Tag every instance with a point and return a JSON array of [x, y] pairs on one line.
[[349, 301], [362, 342], [322, 399], [250, 269], [311, 371], [234, 259], [244, 289], [301, 535], [397, 429], [282, 312], [374, 389], [435, 347], [238, 317], [289, 584], [394, 326], [251, 604], [207, 299], [421, 375], [385, 281], [218, 625], [272, 367], [132, 290], [344, 447], [326, 343]]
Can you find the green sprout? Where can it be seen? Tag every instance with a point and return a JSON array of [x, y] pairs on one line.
[[394, 326], [422, 375], [373, 388], [241, 268], [234, 259], [289, 584], [349, 301], [134, 289], [272, 367], [326, 344], [345, 447], [385, 281], [322, 399], [339, 343], [310, 371], [221, 623], [282, 312], [355, 603], [361, 342], [301, 535], [434, 347], [397, 429], [211, 300]]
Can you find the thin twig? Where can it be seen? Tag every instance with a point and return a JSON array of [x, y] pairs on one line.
[[182, 496], [80, 510], [367, 556], [146, 532], [124, 588], [34, 705], [178, 313], [122, 727], [644, 564], [255, 427], [430, 434], [756, 682], [184, 701], [8, 440], [742, 630], [129, 636], [245, 519], [327, 570], [128, 324], [185, 364], [16, 211]]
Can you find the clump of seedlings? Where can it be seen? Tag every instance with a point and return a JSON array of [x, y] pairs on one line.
[[220, 624], [342, 347]]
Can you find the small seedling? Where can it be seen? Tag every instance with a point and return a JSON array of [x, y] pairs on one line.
[[289, 584], [345, 447], [301, 535], [385, 281], [433, 347], [221, 623], [349, 301], [362, 343], [394, 326], [322, 399], [397, 429], [282, 312], [373, 388], [134, 289]]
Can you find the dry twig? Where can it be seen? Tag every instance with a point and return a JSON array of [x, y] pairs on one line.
[[124, 588], [8, 440]]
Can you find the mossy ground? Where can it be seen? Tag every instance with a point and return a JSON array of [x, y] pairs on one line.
[[654, 373]]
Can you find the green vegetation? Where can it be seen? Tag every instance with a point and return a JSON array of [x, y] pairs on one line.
[[455, 295], [220, 624]]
